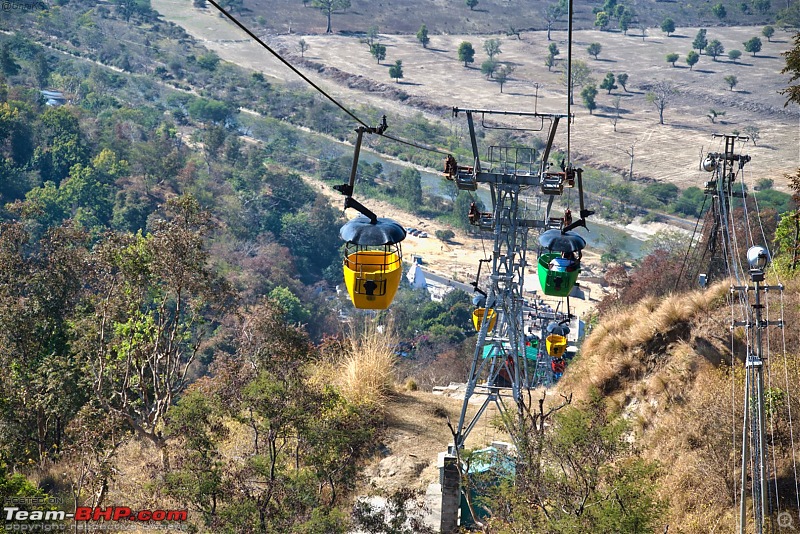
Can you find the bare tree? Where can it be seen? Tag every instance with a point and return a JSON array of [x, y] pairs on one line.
[[629, 152], [660, 95], [615, 102]]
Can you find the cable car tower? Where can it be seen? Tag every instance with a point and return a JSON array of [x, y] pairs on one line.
[[722, 243], [502, 360]]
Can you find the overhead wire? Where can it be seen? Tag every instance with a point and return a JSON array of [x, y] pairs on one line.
[[733, 259], [314, 85], [789, 407], [772, 411], [691, 241]]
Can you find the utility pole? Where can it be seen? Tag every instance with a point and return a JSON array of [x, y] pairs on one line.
[[754, 441]]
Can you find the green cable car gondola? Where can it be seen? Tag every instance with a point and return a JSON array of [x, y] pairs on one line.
[[560, 266]]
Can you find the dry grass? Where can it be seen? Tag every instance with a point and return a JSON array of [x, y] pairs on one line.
[[366, 372], [632, 344]]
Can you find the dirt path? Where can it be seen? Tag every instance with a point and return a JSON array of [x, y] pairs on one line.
[[417, 432]]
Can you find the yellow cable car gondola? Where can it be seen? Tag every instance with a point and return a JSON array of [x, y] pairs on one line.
[[477, 319], [556, 345], [373, 261]]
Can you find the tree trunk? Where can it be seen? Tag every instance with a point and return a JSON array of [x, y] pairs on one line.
[[796, 250]]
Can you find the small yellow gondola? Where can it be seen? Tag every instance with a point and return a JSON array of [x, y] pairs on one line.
[[372, 262], [477, 319], [556, 345]]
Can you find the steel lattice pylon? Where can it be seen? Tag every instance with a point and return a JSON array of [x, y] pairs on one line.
[[722, 244], [501, 360]]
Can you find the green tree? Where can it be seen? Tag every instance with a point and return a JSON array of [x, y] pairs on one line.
[[719, 11], [690, 202], [768, 32], [713, 114], [41, 70], [625, 21], [62, 146], [668, 26], [492, 48], [549, 61], [208, 61], [42, 389], [378, 51], [151, 296], [762, 6], [129, 8], [466, 53], [700, 41], [372, 36], [622, 79], [293, 310], [422, 36], [8, 65], [793, 69], [581, 76], [753, 132], [552, 13], [396, 71], [715, 49], [328, 7], [472, 4], [444, 235], [672, 58], [608, 83], [753, 46], [734, 55], [214, 111], [553, 50], [409, 187], [787, 234], [303, 46], [572, 460], [663, 192], [588, 94], [502, 75], [601, 20], [488, 68], [692, 58], [731, 80], [594, 49], [660, 95]]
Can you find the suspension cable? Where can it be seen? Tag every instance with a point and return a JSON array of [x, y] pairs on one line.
[[789, 406], [254, 37], [691, 241], [312, 84]]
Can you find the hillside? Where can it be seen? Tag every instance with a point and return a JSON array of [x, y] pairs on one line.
[[435, 80], [676, 377], [172, 333]]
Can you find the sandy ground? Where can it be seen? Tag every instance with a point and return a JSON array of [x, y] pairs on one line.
[[669, 152], [417, 431]]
